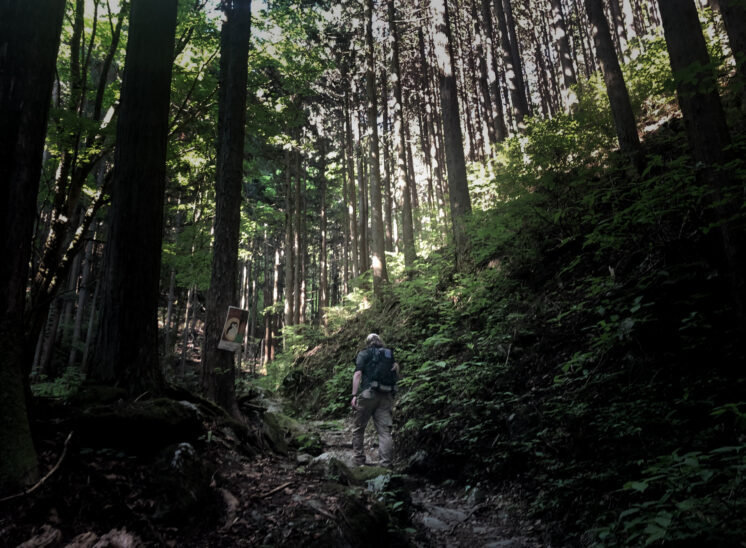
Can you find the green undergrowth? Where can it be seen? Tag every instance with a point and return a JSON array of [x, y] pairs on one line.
[[592, 354]]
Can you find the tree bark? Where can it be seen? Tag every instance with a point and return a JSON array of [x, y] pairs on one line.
[[29, 39], [401, 143], [218, 366], [289, 305], [501, 130], [458, 189], [734, 19], [706, 127], [569, 78], [621, 108], [513, 72], [323, 273]]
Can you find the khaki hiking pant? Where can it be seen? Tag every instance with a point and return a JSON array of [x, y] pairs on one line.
[[377, 405]]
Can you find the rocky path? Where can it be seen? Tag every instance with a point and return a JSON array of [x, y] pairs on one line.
[[444, 515], [225, 491]]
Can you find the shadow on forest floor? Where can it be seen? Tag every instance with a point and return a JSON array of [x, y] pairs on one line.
[[232, 485]]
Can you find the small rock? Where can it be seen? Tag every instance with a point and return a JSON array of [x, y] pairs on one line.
[[84, 540], [48, 536], [446, 514], [476, 496], [417, 462], [257, 517], [303, 459], [434, 524]]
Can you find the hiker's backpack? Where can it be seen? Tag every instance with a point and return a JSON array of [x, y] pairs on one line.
[[382, 377]]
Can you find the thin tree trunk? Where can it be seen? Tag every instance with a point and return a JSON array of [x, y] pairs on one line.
[[82, 302], [323, 297], [569, 78], [512, 71], [289, 239], [457, 182], [387, 198], [218, 366], [352, 200], [402, 184], [298, 276], [621, 108], [167, 348], [501, 130]]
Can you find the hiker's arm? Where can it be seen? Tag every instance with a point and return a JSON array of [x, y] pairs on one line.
[[356, 378]]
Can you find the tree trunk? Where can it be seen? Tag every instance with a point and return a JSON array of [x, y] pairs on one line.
[[621, 108], [298, 236], [289, 307], [515, 53], [352, 200], [127, 349], [378, 240], [734, 19], [457, 182], [82, 302], [323, 285], [218, 367], [29, 38], [501, 131], [167, 347], [388, 207], [513, 73], [706, 128], [569, 78], [401, 143]]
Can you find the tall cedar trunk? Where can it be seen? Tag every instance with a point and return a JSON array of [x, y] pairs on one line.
[[618, 24], [501, 131], [515, 53], [388, 208], [427, 135], [127, 348], [190, 304], [629, 19], [481, 48], [345, 215], [705, 124], [218, 369], [621, 108], [457, 183], [352, 200], [274, 320], [167, 346], [734, 19], [569, 78], [362, 226], [512, 72], [289, 239], [267, 298], [298, 242], [29, 38], [400, 136], [589, 63], [323, 285], [378, 240], [82, 303]]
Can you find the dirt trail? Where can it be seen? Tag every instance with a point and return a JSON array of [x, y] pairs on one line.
[[444, 515], [230, 498]]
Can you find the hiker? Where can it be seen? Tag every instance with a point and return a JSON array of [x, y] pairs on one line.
[[373, 388]]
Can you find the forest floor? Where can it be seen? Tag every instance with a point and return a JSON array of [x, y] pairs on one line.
[[109, 498]]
